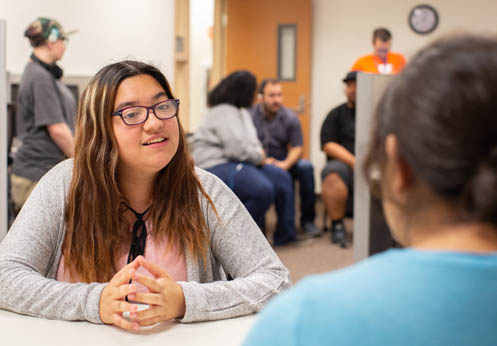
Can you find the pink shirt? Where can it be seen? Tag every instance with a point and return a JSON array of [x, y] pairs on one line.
[[172, 261]]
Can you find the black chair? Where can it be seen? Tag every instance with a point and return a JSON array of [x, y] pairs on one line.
[[11, 129]]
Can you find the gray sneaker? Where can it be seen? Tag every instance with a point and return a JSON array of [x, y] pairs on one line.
[[311, 230]]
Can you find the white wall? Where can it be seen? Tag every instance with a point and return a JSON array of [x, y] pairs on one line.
[[108, 31], [111, 30], [342, 32], [201, 20], [3, 134]]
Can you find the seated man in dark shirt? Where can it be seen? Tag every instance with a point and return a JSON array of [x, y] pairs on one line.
[[337, 141], [280, 133]]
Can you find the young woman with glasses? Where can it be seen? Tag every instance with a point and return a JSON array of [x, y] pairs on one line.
[[130, 220]]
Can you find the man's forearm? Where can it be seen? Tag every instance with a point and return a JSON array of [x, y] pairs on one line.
[[294, 154], [62, 136], [339, 152]]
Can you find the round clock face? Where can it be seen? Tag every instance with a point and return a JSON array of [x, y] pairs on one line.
[[423, 19]]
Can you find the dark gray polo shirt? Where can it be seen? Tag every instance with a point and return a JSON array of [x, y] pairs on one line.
[[38, 105], [277, 134]]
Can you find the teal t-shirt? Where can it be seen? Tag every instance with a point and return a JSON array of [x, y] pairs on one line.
[[400, 297]]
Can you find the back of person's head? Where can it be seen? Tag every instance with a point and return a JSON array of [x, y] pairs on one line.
[[442, 110], [382, 34], [237, 89], [43, 30]]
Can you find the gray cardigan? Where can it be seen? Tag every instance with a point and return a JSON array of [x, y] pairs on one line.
[[225, 134], [31, 251]]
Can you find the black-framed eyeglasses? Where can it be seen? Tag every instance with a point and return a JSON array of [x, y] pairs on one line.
[[136, 115]]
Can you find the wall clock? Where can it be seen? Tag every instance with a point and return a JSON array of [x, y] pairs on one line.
[[423, 19]]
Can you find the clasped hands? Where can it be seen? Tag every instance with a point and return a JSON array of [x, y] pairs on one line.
[[272, 161], [164, 297]]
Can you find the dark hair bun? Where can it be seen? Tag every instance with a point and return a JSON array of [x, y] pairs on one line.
[[480, 195]]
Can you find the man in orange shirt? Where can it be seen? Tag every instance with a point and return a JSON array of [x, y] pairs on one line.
[[382, 61]]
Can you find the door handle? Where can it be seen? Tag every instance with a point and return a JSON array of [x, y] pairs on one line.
[[301, 106]]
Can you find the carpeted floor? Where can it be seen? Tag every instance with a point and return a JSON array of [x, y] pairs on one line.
[[317, 255]]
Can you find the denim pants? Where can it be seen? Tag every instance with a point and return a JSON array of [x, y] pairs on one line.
[[304, 173], [258, 188]]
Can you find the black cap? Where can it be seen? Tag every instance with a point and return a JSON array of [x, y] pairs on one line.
[[352, 75]]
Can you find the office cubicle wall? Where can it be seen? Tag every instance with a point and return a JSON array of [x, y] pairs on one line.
[[371, 233], [3, 132]]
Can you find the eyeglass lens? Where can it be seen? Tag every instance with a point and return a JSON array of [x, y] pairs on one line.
[[138, 114]]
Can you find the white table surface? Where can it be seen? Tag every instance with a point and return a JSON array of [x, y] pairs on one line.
[[18, 329]]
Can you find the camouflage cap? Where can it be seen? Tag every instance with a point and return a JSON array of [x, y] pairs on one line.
[[45, 29]]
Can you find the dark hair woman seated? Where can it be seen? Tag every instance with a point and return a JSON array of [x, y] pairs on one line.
[[227, 145]]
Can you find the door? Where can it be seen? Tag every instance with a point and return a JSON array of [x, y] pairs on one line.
[[272, 39]]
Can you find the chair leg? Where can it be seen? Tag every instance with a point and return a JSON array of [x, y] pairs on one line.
[[325, 222]]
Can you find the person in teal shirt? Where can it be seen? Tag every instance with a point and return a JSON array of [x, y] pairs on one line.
[[433, 160]]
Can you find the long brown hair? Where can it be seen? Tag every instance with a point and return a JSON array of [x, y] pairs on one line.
[[95, 227]]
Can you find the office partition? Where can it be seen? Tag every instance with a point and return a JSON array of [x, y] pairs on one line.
[[371, 234]]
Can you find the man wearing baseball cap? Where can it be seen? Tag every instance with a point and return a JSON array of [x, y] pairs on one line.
[[338, 142], [45, 110]]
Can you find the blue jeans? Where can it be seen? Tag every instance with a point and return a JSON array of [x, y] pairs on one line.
[[304, 173], [258, 188]]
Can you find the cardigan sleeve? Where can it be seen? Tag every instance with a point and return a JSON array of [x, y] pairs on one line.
[[29, 256], [244, 254]]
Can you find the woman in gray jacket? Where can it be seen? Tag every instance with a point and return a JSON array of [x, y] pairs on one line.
[[130, 220], [227, 145]]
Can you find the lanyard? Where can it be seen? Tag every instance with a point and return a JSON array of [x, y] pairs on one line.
[[139, 237]]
